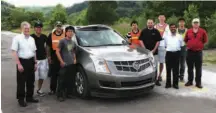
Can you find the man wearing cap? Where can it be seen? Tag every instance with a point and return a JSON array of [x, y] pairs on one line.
[[52, 45], [195, 39], [66, 55], [40, 41], [23, 50]]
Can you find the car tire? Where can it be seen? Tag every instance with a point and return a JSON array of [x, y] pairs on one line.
[[81, 84]]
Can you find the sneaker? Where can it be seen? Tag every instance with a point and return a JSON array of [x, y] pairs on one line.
[[40, 93]]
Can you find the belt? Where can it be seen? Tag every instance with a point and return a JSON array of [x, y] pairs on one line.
[[194, 50], [32, 58]]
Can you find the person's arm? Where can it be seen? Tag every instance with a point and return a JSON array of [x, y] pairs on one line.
[[128, 36], [186, 37], [58, 49], [141, 39], [14, 48], [74, 53], [205, 37], [48, 48], [158, 39]]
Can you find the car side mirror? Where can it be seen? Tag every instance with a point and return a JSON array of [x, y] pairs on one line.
[[125, 42]]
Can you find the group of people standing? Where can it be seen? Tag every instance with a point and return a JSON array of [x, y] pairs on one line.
[[37, 56], [35, 53], [173, 45]]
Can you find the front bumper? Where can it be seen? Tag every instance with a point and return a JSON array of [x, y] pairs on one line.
[[103, 85]]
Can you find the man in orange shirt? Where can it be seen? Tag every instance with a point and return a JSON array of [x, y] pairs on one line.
[[133, 35]]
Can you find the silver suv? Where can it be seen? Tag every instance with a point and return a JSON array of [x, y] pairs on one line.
[[108, 67]]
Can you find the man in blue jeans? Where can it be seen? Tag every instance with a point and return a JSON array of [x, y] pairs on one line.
[[67, 58]]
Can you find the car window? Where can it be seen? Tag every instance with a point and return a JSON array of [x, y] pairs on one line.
[[99, 37]]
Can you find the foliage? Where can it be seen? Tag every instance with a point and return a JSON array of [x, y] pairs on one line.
[[58, 14], [78, 18], [172, 19], [100, 12], [210, 23], [190, 13]]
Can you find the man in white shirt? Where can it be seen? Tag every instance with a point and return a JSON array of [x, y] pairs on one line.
[[173, 43], [163, 28], [23, 49]]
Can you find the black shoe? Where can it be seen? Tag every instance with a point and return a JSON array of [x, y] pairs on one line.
[[32, 100], [160, 78], [181, 79], [22, 103], [51, 93], [168, 86], [189, 84], [199, 86], [61, 99], [176, 87], [158, 83]]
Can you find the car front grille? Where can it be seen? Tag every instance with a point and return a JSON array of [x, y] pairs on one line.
[[128, 65]]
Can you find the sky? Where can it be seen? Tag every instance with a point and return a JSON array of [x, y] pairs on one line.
[[20, 3]]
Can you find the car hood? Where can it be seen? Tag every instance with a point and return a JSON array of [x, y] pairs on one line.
[[118, 53]]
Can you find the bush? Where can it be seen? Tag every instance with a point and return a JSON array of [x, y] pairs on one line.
[[210, 24]]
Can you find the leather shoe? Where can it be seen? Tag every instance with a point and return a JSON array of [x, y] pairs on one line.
[[189, 84], [176, 87], [158, 83], [22, 103], [168, 86], [32, 100], [199, 86]]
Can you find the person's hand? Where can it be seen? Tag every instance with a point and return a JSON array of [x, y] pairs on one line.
[[49, 60], [153, 51], [35, 67], [62, 64], [20, 68], [75, 61]]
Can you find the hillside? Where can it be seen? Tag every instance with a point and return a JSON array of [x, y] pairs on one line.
[[45, 10]]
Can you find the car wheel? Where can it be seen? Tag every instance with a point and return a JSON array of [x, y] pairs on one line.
[[81, 84]]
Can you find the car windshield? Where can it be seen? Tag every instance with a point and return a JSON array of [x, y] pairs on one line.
[[102, 37]]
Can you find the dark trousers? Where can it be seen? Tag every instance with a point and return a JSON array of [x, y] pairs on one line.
[[66, 80], [194, 59], [54, 73], [172, 65], [26, 79], [182, 61]]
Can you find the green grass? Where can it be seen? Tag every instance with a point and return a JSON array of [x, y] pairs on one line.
[[209, 56]]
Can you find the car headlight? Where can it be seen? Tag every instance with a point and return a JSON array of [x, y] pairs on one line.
[[100, 65], [151, 57]]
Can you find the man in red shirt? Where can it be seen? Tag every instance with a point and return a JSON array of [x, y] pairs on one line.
[[195, 39]]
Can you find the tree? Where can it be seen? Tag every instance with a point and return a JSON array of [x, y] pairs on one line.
[[191, 13], [172, 19], [100, 12], [17, 15], [34, 16], [210, 24], [58, 14]]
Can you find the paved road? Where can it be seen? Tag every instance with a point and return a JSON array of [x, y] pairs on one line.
[[160, 100]]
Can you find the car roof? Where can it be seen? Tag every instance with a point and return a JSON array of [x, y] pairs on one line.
[[92, 26]]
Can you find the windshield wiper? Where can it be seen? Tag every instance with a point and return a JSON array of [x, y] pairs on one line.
[[110, 45]]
